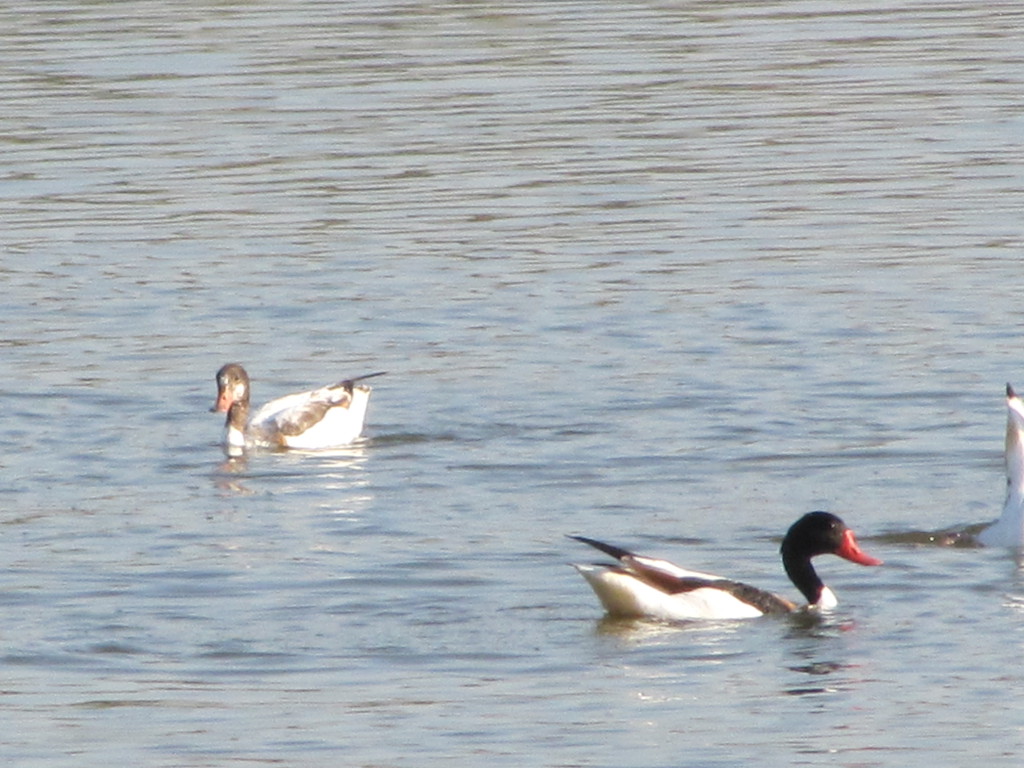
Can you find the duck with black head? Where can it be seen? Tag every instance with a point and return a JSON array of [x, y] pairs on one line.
[[643, 587]]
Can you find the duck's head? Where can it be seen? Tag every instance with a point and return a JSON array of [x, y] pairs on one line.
[[822, 533], [819, 533], [1014, 440], [232, 387]]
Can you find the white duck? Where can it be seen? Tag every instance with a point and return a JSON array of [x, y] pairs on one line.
[[643, 587], [328, 417], [1008, 530]]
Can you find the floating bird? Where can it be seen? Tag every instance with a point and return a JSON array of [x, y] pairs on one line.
[[1008, 530], [328, 417], [644, 587]]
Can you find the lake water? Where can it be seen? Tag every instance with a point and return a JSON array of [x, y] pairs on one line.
[[666, 274]]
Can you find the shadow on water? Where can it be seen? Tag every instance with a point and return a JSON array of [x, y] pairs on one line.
[[338, 467], [640, 629], [801, 623], [961, 537]]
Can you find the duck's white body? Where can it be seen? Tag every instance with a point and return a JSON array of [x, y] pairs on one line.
[[623, 595], [648, 588], [1008, 530], [322, 418], [328, 417]]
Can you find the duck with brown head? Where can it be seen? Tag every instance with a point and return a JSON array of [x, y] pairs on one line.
[[328, 417]]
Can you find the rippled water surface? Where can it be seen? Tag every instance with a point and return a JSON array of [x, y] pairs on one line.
[[668, 274]]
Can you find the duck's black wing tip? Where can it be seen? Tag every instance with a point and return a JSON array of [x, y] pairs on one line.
[[617, 552], [348, 384]]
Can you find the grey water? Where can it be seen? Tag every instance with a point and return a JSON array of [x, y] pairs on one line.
[[668, 274]]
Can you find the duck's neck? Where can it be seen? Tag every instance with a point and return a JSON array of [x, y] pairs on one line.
[[804, 577], [234, 427], [1014, 457], [1009, 529], [1012, 520]]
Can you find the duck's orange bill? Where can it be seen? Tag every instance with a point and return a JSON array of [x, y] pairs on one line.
[[851, 550]]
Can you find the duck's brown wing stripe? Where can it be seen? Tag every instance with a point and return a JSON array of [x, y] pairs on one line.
[[764, 601]]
